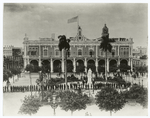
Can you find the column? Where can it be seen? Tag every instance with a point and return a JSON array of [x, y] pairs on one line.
[[39, 55], [25, 62], [118, 63], [74, 65], [85, 64], [62, 62], [39, 61], [107, 64], [96, 51], [51, 65], [131, 64], [40, 51], [96, 64], [118, 49]]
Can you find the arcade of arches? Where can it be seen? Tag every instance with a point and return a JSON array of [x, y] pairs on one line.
[[72, 65]]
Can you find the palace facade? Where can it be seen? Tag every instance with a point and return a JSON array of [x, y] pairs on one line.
[[82, 51]]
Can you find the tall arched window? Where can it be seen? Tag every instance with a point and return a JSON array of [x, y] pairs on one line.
[[91, 52], [57, 52], [79, 52], [45, 52]]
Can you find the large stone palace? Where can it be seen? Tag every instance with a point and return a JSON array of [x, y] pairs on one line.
[[82, 51]]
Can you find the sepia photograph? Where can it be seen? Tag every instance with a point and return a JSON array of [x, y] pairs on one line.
[[75, 59]]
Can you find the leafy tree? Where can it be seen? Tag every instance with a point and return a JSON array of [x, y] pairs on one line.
[[73, 101], [124, 67], [110, 100], [29, 68], [140, 69], [6, 75], [139, 94], [64, 44], [143, 57], [30, 105], [14, 72]]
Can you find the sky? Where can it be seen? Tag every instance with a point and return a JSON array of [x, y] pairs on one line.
[[124, 20]]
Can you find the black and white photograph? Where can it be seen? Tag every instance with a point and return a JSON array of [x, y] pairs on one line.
[[74, 59]]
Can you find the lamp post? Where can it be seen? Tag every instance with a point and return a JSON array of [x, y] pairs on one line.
[[54, 102]]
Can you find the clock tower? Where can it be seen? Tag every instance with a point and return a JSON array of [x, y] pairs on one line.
[[105, 31]]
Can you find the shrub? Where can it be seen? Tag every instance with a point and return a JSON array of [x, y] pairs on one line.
[[30, 105]]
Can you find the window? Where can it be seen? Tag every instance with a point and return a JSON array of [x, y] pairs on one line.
[[33, 53], [57, 52], [45, 52], [79, 52], [91, 53]]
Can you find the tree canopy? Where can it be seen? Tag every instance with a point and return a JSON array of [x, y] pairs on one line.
[[139, 94], [6, 75], [30, 105], [109, 99], [73, 101], [29, 67], [140, 69], [63, 43]]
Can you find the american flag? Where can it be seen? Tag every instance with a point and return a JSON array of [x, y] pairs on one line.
[[74, 19]]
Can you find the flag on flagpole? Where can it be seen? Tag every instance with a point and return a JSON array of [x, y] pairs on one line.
[[74, 19]]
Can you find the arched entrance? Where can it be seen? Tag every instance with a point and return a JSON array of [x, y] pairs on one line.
[[113, 66], [91, 65], [45, 62], [101, 66], [34, 62], [57, 66], [124, 66], [124, 62], [69, 66], [80, 66], [46, 65]]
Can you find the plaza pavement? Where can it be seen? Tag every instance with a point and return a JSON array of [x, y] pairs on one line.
[[13, 101]]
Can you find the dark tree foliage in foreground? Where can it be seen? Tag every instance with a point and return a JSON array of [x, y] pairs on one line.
[[110, 100], [124, 67], [30, 105], [29, 67], [6, 75], [139, 94], [73, 101]]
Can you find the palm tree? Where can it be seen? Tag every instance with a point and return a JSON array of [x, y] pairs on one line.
[[30, 68], [106, 46], [64, 45]]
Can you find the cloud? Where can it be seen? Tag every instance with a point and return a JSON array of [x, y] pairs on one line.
[[18, 7]]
